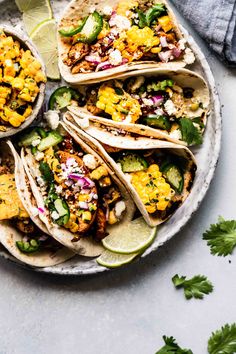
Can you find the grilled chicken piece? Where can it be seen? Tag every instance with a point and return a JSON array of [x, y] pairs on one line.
[[76, 53], [25, 226], [91, 99], [110, 149], [100, 224], [83, 67]]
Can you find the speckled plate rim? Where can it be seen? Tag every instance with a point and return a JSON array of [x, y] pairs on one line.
[[68, 268]]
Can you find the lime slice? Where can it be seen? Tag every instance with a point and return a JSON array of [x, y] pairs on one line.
[[114, 260], [44, 37], [34, 12], [131, 238]]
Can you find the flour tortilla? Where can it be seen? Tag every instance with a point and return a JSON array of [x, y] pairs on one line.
[[182, 77], [141, 143], [86, 246], [78, 9], [9, 235]]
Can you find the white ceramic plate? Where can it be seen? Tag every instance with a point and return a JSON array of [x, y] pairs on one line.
[[207, 156]]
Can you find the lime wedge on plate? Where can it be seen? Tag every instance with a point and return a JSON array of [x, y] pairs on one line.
[[44, 37], [34, 12], [131, 238], [114, 260]]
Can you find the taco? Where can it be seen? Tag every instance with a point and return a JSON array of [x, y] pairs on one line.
[[158, 174], [97, 40], [79, 198], [167, 105], [21, 233]]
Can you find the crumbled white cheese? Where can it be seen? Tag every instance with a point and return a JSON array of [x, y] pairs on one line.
[[55, 215], [52, 118], [115, 58], [58, 189], [170, 107], [176, 134], [119, 208], [36, 142], [121, 22], [107, 10], [182, 43], [90, 161], [189, 57], [39, 155], [147, 101]]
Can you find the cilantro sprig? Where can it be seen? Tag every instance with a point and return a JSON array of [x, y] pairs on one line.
[[190, 134], [171, 347], [196, 287], [223, 341], [221, 237]]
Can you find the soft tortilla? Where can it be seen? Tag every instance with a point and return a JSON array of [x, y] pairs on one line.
[[79, 9], [86, 246], [183, 78], [142, 143]]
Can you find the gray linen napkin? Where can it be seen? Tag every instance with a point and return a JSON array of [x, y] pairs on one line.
[[215, 21]]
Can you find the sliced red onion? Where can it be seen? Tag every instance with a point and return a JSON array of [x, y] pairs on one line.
[[83, 205], [107, 65], [41, 210], [93, 58], [176, 52], [82, 181], [43, 238], [165, 56], [157, 100], [163, 41]]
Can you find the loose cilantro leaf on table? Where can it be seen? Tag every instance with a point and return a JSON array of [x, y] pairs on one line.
[[171, 347], [221, 237], [189, 132], [195, 287], [223, 341]]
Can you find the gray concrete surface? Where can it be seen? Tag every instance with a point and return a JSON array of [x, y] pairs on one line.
[[127, 311]]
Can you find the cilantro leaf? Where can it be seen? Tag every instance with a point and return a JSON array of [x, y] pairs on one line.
[[223, 341], [155, 12], [189, 132], [195, 287], [171, 347], [221, 237]]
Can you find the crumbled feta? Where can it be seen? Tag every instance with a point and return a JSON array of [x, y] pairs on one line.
[[182, 43], [36, 142], [170, 107], [176, 134], [55, 215], [128, 118], [119, 208], [39, 155], [107, 10], [90, 161], [189, 57], [115, 58], [58, 189], [52, 118], [147, 101], [121, 22]]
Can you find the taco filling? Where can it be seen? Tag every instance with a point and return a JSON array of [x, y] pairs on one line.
[[131, 31], [162, 180], [12, 210], [159, 103], [79, 194]]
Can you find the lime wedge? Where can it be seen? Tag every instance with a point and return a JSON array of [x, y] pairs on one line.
[[34, 12], [131, 238], [44, 37], [114, 260]]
